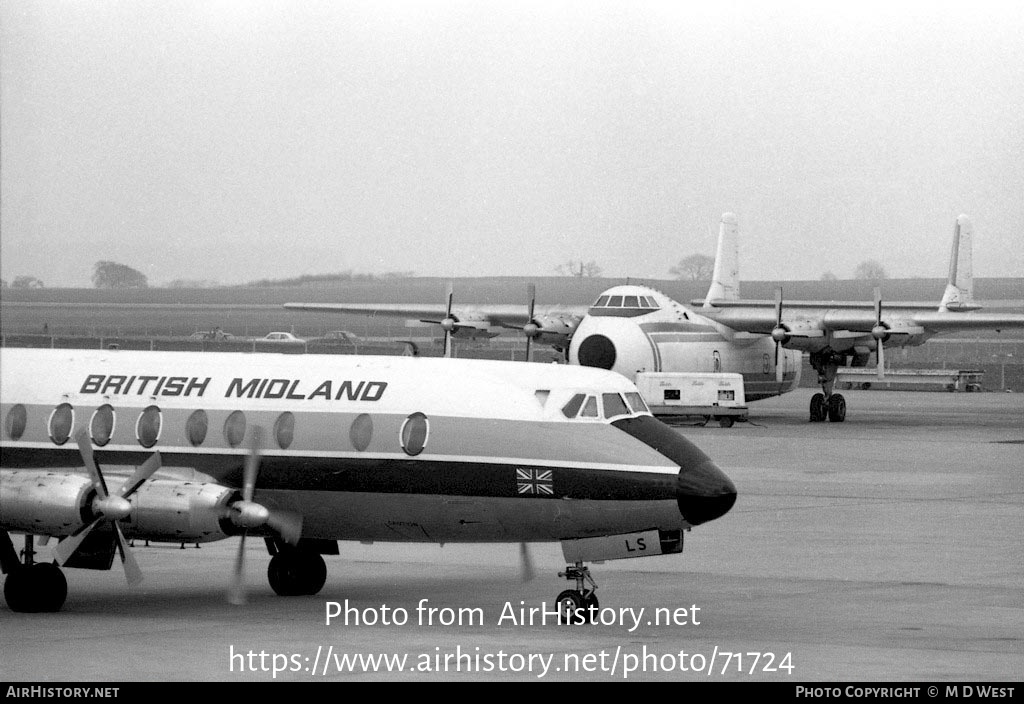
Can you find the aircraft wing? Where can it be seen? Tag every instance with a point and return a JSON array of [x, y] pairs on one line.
[[762, 319], [498, 315], [819, 305]]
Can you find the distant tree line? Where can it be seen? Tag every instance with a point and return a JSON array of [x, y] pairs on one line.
[[113, 275], [696, 267], [327, 279], [579, 269], [23, 282]]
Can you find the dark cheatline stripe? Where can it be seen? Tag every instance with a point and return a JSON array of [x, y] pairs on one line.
[[388, 476], [620, 312]]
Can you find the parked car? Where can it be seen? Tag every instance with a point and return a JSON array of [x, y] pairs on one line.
[[339, 336], [282, 337], [217, 334]]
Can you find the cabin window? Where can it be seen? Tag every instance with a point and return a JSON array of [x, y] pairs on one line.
[[234, 428], [61, 421], [570, 409], [630, 302], [614, 405], [196, 426], [17, 419], [101, 427], [147, 427], [590, 408], [284, 429], [636, 402], [414, 434], [361, 432]]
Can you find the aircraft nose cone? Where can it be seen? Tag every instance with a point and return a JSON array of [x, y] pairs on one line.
[[704, 493]]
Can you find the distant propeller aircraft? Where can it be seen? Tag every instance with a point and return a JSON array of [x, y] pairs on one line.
[[631, 329], [306, 450]]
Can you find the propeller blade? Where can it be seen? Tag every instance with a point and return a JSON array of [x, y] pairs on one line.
[[778, 343], [132, 571], [287, 524], [526, 571], [878, 333], [252, 463], [142, 473], [63, 550], [531, 295], [85, 449], [236, 593], [448, 323]]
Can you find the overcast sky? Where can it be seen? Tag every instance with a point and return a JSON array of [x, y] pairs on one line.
[[236, 140]]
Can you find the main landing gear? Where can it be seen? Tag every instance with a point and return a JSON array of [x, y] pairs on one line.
[[579, 605], [30, 587], [827, 405], [296, 572]]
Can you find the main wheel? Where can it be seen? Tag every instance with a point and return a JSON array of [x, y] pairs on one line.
[[296, 573], [570, 606], [837, 408], [37, 588], [818, 408]]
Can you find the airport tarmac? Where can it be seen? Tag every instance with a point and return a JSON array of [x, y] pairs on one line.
[[886, 548]]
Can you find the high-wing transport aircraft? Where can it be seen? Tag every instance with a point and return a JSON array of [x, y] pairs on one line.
[[631, 329], [303, 451], [842, 333]]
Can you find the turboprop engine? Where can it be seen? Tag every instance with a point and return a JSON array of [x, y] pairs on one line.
[[58, 504]]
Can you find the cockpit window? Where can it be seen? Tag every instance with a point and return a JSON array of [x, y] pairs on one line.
[[570, 409], [614, 405], [615, 301], [647, 302], [590, 408], [629, 302], [636, 402], [601, 302]]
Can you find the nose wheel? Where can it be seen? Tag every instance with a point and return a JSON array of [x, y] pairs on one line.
[[577, 606]]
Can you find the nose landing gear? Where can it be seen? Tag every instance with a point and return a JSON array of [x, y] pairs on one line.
[[579, 605]]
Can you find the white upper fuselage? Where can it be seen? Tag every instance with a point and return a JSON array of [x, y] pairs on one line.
[[630, 329], [381, 448]]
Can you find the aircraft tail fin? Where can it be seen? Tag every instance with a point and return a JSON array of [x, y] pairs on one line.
[[959, 294], [725, 281]]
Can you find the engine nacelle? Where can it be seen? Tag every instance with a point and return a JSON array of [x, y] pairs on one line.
[[902, 333], [176, 510], [555, 330], [59, 503], [44, 503]]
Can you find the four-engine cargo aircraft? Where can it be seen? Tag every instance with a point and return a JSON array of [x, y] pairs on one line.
[[630, 329], [99, 447]]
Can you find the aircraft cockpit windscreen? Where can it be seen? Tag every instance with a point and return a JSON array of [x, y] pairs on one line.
[[604, 406], [624, 305]]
